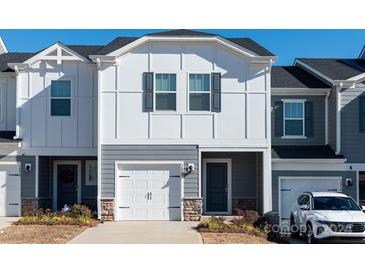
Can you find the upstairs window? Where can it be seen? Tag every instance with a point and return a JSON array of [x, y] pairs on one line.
[[165, 91], [199, 92], [362, 114], [61, 98], [294, 118]]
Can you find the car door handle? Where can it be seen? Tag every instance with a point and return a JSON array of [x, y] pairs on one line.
[[150, 195]]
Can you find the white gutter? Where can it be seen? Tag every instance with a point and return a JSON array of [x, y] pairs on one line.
[[17, 112], [326, 117], [338, 119], [98, 64]]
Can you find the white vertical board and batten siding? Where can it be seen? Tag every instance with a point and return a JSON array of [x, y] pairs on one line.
[[245, 91], [38, 129]]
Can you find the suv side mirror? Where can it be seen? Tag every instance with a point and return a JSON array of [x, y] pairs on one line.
[[304, 207]]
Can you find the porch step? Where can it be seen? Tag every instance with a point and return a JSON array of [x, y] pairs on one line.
[[227, 218]]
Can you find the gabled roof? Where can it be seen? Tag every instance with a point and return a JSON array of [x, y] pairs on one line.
[[335, 69], [304, 152], [182, 32], [84, 50], [16, 57], [294, 77], [246, 43]]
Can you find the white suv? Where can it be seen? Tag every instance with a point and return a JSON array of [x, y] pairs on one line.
[[321, 215]]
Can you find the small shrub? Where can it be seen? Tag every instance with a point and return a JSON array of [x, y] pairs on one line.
[[77, 215]]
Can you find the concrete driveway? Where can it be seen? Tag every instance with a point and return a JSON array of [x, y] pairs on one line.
[[6, 221], [141, 232]]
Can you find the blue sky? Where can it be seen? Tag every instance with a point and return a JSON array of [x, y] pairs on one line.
[[287, 44]]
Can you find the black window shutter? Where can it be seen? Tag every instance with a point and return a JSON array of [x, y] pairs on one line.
[[148, 91], [362, 114], [309, 119], [278, 111], [216, 92]]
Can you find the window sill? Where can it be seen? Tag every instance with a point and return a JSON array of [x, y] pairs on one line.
[[293, 137]]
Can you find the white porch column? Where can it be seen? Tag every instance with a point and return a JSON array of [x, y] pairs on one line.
[[267, 186]]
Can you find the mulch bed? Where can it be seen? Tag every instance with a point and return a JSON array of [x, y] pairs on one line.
[[40, 234], [232, 238]]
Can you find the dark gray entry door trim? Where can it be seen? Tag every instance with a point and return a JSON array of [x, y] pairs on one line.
[[55, 187], [228, 161]]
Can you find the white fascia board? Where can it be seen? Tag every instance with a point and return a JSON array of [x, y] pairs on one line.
[[44, 52], [300, 91], [316, 161], [3, 48], [314, 71], [103, 58], [220, 40]]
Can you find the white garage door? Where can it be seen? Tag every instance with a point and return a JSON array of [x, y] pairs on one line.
[[149, 192], [291, 188], [9, 190]]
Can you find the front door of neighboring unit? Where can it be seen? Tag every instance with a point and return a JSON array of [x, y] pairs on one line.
[[67, 185], [9, 190], [216, 187], [149, 192]]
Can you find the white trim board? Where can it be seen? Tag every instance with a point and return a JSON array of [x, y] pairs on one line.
[[55, 188], [228, 161]]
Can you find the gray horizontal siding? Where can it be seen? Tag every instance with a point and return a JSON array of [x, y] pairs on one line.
[[352, 141], [318, 137], [344, 174], [27, 178], [112, 153]]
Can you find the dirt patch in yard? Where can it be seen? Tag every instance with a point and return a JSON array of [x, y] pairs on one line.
[[232, 238], [39, 234]]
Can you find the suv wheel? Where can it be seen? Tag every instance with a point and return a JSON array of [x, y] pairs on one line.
[[309, 234], [294, 229]]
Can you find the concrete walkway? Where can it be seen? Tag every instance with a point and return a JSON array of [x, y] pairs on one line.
[[141, 232], [6, 221]]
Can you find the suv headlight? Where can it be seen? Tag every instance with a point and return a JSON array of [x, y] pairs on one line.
[[323, 222]]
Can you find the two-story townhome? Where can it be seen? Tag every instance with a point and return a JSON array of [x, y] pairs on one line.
[[175, 125], [167, 126]]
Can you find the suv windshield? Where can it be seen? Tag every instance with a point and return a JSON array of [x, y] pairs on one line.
[[334, 203]]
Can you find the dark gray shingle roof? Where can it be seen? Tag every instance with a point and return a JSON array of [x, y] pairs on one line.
[[243, 42], [84, 50], [336, 69], [304, 152], [115, 44], [294, 77], [17, 57]]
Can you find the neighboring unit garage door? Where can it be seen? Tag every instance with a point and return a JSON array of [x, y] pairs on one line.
[[148, 192], [9, 190], [291, 188]]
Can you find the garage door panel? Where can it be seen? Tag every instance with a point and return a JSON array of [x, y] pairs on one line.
[[149, 178], [291, 188], [9, 190]]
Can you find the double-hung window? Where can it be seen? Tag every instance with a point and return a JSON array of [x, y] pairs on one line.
[[294, 118], [165, 88], [199, 92], [61, 98]]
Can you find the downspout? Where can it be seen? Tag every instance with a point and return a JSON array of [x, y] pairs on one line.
[[326, 116], [98, 64], [338, 118], [17, 112]]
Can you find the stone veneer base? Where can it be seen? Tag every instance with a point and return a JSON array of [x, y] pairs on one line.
[[107, 209], [193, 209]]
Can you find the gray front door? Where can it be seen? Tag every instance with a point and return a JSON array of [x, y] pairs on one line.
[[217, 187], [66, 184]]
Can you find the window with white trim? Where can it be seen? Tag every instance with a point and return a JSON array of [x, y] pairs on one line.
[[61, 98], [91, 170], [294, 118], [165, 88], [199, 92]]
